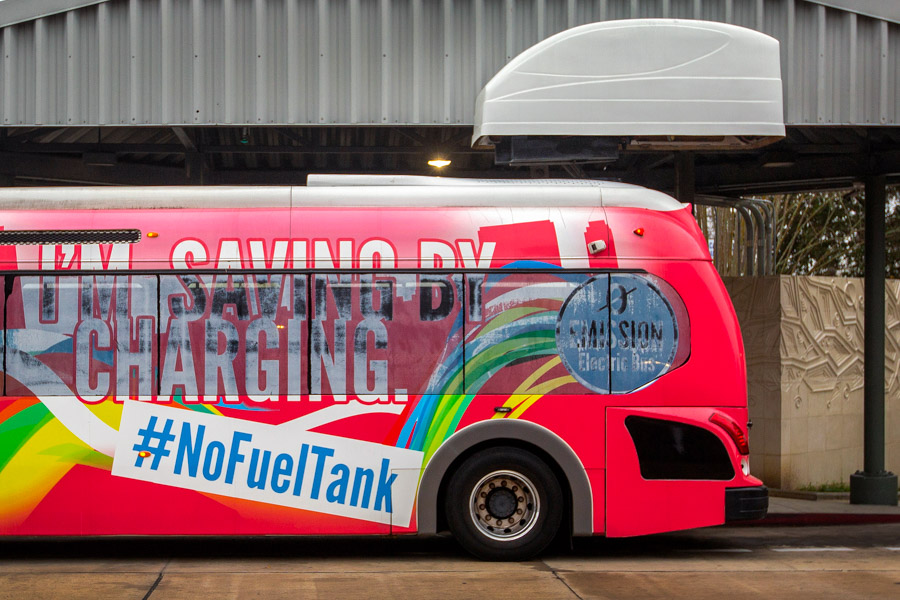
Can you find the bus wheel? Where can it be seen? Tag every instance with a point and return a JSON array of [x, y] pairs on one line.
[[504, 504]]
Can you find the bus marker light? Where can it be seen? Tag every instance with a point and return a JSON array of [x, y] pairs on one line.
[[733, 430], [144, 453], [152, 234], [502, 409], [639, 232]]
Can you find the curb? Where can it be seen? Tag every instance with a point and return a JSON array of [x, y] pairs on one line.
[[803, 495]]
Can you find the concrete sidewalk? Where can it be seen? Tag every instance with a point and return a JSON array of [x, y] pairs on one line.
[[832, 511]]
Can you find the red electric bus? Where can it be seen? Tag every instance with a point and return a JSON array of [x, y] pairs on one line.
[[368, 355]]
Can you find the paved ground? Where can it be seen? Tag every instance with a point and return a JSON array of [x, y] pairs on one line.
[[790, 506], [821, 561]]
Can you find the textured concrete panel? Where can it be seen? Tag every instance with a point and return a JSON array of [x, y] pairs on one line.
[[757, 302], [803, 337]]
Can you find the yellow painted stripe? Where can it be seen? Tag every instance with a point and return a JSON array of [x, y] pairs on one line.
[[525, 388], [108, 411], [512, 402], [33, 472], [523, 406], [540, 392], [553, 384]]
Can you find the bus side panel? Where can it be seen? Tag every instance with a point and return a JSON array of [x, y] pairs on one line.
[[639, 506], [46, 492], [715, 373], [597, 477], [641, 234]]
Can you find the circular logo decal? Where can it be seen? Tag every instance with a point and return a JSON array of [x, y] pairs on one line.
[[616, 333]]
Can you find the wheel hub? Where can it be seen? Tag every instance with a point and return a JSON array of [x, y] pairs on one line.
[[504, 505], [501, 503]]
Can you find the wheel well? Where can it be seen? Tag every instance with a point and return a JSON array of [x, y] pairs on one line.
[[512, 443]]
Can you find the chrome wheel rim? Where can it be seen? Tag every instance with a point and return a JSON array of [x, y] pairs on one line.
[[504, 505]]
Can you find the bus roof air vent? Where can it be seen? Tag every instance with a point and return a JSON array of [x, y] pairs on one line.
[[46, 237], [643, 84]]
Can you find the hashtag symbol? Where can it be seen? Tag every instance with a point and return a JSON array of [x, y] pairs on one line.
[[146, 446]]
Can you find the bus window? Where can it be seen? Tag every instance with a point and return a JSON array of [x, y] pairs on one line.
[[90, 336], [233, 334], [386, 335], [526, 335], [649, 329]]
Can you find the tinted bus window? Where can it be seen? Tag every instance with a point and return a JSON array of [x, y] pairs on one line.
[[512, 340], [649, 329], [233, 334], [90, 336], [564, 333], [386, 335]]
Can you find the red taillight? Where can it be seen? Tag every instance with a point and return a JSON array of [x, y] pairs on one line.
[[733, 429]]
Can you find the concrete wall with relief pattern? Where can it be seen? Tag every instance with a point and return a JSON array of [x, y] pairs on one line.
[[803, 338]]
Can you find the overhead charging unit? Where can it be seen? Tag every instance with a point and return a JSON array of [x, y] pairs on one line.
[[640, 84]]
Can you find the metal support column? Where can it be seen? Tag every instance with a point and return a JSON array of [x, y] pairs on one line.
[[874, 485]]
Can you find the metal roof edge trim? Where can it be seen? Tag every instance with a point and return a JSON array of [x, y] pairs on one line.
[[13, 12]]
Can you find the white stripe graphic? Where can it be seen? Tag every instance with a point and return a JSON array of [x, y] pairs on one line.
[[85, 425]]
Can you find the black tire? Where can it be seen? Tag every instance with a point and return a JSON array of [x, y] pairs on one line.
[[513, 487]]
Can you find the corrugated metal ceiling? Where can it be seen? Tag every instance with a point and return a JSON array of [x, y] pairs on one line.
[[266, 91], [383, 62]]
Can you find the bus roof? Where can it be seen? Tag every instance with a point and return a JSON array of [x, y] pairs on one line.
[[347, 191]]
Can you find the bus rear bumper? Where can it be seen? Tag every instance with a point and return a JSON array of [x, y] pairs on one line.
[[746, 503]]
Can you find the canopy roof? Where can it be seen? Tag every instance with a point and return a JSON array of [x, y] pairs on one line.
[[260, 91]]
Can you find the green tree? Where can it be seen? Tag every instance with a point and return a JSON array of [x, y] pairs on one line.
[[823, 233]]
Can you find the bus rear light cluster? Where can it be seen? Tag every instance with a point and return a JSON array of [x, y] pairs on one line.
[[733, 430]]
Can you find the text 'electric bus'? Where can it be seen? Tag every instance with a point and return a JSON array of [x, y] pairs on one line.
[[363, 355]]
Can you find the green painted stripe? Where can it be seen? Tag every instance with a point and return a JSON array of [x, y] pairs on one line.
[[538, 344], [18, 429], [79, 454], [443, 429], [445, 405]]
